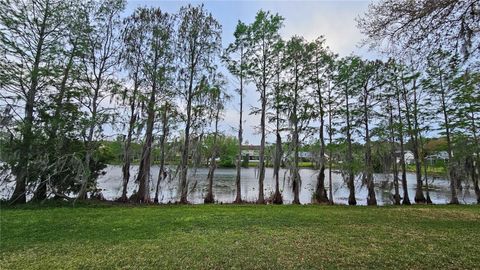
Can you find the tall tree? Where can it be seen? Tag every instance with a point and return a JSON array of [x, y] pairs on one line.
[[441, 71], [371, 80], [297, 61], [168, 119], [346, 80], [277, 104], [218, 98], [409, 95], [98, 80], [158, 66], [321, 81], [331, 102], [30, 36], [133, 48], [59, 111], [197, 45], [393, 150], [395, 82], [467, 121], [260, 53], [234, 57]]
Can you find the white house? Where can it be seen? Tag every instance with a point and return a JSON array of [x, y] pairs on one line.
[[408, 156], [441, 155]]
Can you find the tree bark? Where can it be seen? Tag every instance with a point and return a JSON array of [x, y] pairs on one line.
[[320, 191], [419, 196], [406, 198], [238, 197], [213, 164], [143, 178], [330, 152], [127, 151], [396, 196], [371, 198], [351, 176], [23, 170], [295, 174], [163, 138], [451, 169]]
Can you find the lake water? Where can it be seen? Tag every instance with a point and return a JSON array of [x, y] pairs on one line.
[[224, 186]]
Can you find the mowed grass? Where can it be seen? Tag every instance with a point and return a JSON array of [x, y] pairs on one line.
[[240, 237]]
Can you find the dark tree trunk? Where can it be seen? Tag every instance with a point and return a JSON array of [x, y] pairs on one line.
[[211, 170], [186, 143], [261, 164], [238, 197], [474, 174], [406, 198], [127, 155], [396, 196], [419, 196], [451, 169], [351, 176], [330, 141], [23, 170], [371, 198], [320, 191], [296, 174], [213, 164], [277, 196], [143, 178], [163, 138]]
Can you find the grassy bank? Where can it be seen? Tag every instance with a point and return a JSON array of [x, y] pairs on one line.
[[246, 237]]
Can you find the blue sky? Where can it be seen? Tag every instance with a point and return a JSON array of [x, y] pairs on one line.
[[310, 19]]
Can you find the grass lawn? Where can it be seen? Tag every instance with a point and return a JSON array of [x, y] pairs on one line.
[[240, 237]]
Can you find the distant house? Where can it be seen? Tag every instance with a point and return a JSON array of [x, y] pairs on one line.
[[408, 156], [438, 156], [252, 152], [306, 156]]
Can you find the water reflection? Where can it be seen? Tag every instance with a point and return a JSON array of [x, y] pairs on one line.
[[224, 187]]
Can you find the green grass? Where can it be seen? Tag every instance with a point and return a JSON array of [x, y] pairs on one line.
[[302, 164], [431, 170], [240, 237]]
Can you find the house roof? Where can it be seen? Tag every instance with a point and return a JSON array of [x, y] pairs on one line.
[[250, 147]]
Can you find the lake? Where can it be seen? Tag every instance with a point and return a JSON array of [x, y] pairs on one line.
[[224, 186]]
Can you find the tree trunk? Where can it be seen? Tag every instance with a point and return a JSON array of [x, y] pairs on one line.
[[351, 176], [261, 163], [238, 197], [23, 170], [330, 141], [143, 178], [406, 199], [277, 196], [296, 174], [213, 164], [396, 196], [163, 138], [371, 198], [419, 196], [320, 191], [82, 194], [451, 169], [474, 174], [186, 143], [127, 158]]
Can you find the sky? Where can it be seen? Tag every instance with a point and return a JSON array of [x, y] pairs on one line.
[[335, 20]]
